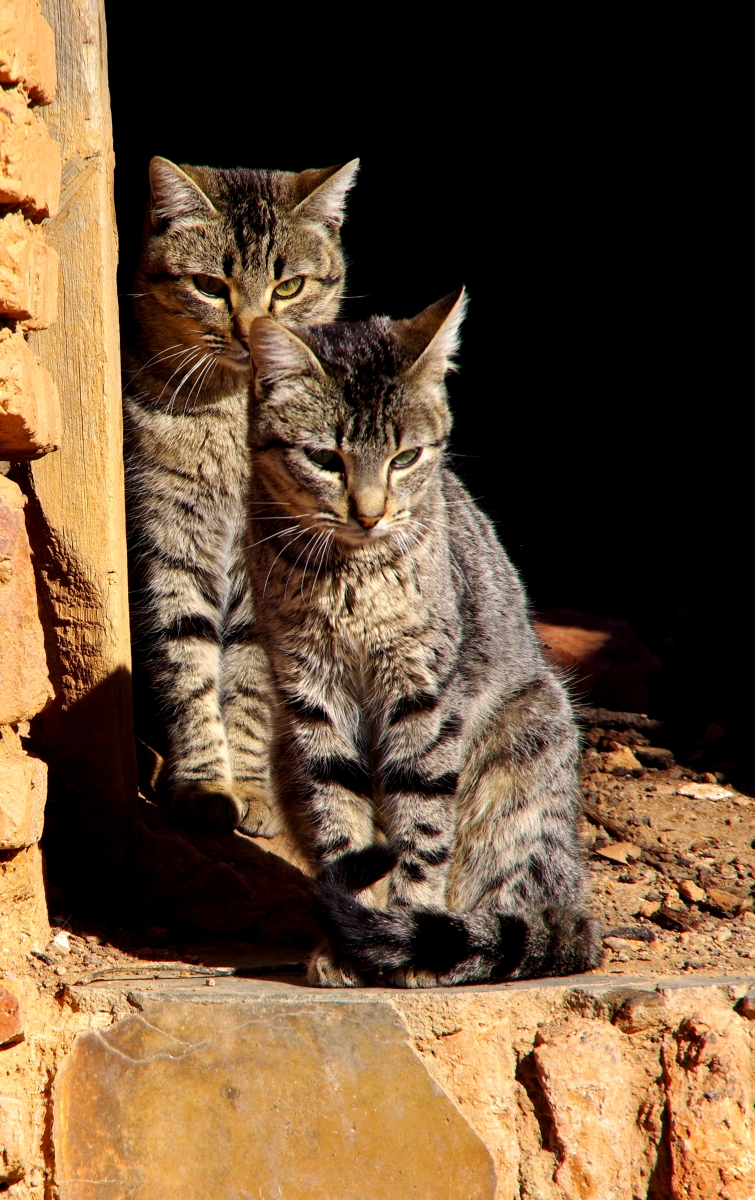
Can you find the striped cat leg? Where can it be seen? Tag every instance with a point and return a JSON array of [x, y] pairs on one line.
[[419, 775], [327, 792], [520, 787], [183, 631], [247, 708]]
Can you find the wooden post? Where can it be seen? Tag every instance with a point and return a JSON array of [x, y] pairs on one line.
[[76, 495]]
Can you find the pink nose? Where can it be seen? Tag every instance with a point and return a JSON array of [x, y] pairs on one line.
[[367, 522]]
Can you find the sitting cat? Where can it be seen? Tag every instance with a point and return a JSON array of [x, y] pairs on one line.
[[220, 248], [419, 733]]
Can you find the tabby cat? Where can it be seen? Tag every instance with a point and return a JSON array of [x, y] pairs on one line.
[[420, 737], [220, 248]]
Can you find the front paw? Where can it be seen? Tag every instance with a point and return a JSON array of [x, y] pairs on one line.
[[262, 818], [410, 977], [208, 805], [325, 971]]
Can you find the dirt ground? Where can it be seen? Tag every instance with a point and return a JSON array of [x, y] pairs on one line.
[[671, 877], [690, 888]]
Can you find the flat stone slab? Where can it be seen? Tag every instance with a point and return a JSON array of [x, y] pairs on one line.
[[585, 1088], [270, 1099]]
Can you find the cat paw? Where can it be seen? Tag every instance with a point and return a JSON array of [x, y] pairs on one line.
[[324, 971], [262, 818], [207, 805], [410, 977]]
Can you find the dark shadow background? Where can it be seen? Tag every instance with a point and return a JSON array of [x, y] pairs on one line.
[[601, 217]]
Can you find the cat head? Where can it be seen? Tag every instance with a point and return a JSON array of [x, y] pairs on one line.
[[222, 248], [349, 421]]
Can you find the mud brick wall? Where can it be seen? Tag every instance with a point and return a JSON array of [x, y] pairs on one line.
[[29, 193], [30, 174]]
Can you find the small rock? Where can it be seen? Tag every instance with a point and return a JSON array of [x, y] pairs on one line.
[[43, 957], [621, 852], [725, 904], [648, 908], [678, 920], [60, 971], [210, 982], [689, 890], [620, 944], [632, 933], [655, 756], [638, 1010], [704, 791], [748, 918], [61, 942], [621, 762], [746, 1006], [11, 1019]]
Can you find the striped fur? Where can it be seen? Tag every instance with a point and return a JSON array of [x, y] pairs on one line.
[[424, 753], [219, 247]]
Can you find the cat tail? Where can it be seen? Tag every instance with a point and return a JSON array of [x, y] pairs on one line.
[[469, 947]]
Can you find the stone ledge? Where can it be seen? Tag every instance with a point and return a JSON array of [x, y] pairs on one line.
[[594, 1086]]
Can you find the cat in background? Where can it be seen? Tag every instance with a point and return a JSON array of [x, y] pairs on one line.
[[220, 248], [424, 752]]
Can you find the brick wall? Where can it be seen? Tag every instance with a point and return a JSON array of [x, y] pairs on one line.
[[29, 428]]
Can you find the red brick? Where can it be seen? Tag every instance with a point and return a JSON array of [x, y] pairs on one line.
[[28, 273], [27, 49], [25, 687], [29, 158], [23, 791], [29, 404]]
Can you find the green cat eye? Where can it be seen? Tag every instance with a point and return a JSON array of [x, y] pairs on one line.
[[327, 459], [289, 288], [406, 457], [210, 285]]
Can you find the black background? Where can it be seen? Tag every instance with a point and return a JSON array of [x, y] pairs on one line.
[[600, 216]]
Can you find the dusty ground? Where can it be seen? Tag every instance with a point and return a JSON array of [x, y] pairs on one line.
[[691, 888], [678, 900]]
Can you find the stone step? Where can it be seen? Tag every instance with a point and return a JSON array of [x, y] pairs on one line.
[[252, 1089]]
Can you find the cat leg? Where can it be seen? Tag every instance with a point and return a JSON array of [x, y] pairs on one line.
[[419, 776], [516, 850], [246, 702], [327, 791], [184, 665], [326, 969]]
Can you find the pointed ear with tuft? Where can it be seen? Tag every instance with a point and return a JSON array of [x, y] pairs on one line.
[[278, 354], [323, 193], [432, 338], [174, 194]]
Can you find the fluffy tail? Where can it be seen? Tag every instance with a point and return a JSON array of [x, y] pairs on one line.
[[469, 947]]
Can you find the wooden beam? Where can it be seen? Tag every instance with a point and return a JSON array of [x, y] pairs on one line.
[[76, 496]]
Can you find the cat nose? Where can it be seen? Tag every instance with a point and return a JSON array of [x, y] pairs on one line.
[[368, 522]]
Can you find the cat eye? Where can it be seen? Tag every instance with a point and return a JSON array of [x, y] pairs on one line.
[[406, 457], [289, 288], [210, 285], [328, 460]]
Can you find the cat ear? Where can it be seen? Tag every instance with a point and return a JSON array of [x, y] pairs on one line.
[[322, 194], [432, 338], [279, 354], [174, 194]]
